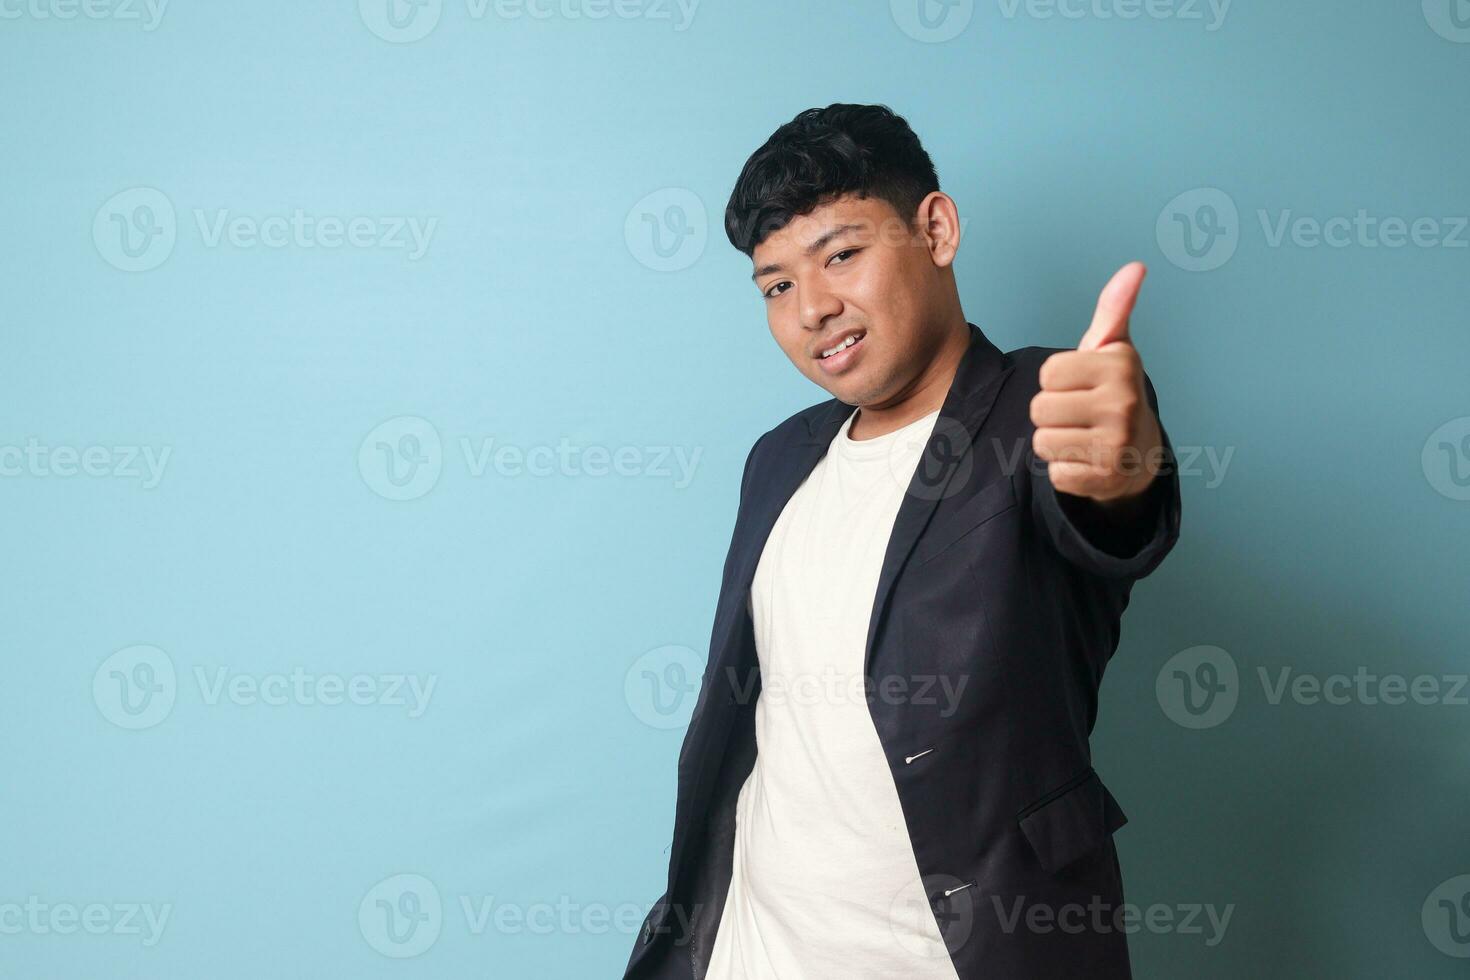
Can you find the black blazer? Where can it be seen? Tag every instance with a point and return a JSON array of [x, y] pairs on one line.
[[995, 583]]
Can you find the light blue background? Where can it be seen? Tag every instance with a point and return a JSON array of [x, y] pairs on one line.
[[534, 778]]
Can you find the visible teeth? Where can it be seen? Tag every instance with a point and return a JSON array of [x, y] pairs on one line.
[[842, 346]]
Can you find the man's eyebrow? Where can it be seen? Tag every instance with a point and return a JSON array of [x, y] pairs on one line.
[[815, 246]]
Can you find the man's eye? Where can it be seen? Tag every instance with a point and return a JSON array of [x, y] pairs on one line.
[[845, 251], [771, 294]]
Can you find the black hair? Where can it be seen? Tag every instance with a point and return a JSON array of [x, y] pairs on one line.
[[821, 155]]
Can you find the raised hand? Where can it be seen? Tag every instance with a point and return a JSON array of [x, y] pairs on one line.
[[1094, 425]]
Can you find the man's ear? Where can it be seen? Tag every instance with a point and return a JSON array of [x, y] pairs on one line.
[[937, 224]]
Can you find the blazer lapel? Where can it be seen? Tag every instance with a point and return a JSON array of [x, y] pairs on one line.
[[948, 462]]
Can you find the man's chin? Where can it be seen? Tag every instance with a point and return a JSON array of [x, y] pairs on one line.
[[842, 392]]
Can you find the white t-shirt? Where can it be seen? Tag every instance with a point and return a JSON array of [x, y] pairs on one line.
[[824, 883]]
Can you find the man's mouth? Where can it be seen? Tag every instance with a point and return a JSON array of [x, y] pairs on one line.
[[842, 345], [840, 355]]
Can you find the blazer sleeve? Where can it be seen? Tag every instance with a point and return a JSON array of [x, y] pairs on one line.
[[1086, 539], [745, 481], [686, 760]]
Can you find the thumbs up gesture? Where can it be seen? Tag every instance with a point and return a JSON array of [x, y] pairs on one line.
[[1094, 425]]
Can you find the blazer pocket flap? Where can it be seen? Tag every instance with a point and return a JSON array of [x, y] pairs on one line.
[[1071, 822], [989, 500]]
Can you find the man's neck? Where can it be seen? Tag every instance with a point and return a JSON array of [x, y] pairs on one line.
[[925, 395]]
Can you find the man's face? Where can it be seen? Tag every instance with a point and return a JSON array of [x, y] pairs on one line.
[[852, 268]]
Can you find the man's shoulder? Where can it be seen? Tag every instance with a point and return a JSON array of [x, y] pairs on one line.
[[802, 423], [1028, 361], [793, 429], [1033, 354], [799, 426]]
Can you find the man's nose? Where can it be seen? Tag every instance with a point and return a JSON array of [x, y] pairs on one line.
[[818, 305]]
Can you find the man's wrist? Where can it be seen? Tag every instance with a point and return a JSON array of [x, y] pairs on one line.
[[1120, 526]]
